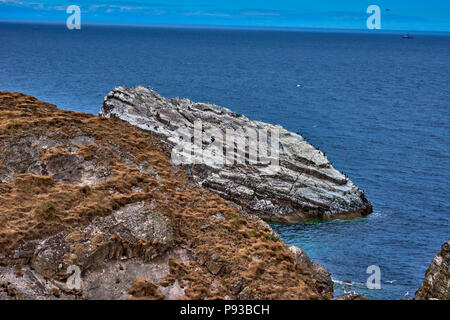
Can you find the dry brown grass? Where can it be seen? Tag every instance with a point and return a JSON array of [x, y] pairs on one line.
[[144, 288], [34, 207]]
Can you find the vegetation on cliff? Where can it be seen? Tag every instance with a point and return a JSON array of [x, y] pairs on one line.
[[74, 185]]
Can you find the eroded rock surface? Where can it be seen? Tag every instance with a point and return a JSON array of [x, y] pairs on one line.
[[92, 208], [436, 285], [321, 276], [63, 158], [352, 296], [305, 185]]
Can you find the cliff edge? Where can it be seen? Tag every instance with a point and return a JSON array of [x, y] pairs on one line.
[[92, 208]]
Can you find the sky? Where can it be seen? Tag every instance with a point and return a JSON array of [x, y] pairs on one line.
[[423, 15]]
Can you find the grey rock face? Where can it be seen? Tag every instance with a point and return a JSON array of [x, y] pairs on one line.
[[112, 279], [22, 154], [30, 286], [321, 276], [436, 285], [304, 186], [111, 253], [71, 250], [109, 279], [352, 296], [132, 231]]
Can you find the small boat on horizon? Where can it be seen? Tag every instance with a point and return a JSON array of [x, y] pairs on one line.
[[406, 36]]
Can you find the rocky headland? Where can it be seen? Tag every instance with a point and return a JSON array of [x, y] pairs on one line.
[[436, 285], [306, 186], [92, 208]]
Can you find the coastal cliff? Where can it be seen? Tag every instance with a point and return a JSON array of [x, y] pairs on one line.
[[304, 187], [92, 208], [436, 285]]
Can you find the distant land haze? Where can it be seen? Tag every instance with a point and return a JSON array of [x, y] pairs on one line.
[[412, 15]]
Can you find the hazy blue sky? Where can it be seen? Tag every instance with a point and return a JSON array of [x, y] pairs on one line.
[[433, 15]]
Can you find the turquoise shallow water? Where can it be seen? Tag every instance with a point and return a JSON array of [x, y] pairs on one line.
[[377, 105]]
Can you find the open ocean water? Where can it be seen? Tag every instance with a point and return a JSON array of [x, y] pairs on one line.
[[376, 104]]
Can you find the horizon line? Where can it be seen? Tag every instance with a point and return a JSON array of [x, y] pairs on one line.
[[226, 27]]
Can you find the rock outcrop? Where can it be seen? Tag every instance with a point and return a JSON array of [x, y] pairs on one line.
[[436, 285], [92, 208], [293, 182], [321, 276]]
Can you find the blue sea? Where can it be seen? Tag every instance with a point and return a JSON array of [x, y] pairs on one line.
[[376, 104]]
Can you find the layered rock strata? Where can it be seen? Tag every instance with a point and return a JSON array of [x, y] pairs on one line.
[[270, 172]]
